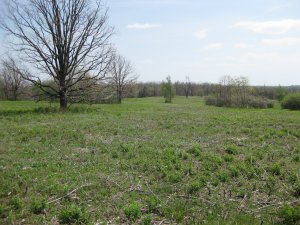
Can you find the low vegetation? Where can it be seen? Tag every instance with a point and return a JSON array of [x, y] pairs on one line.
[[291, 101], [145, 162]]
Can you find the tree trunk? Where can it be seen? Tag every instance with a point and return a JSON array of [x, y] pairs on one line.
[[63, 100], [119, 97], [63, 95]]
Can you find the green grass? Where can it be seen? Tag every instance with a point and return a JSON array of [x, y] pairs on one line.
[[182, 162]]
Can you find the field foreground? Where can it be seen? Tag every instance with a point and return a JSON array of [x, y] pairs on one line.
[[147, 162]]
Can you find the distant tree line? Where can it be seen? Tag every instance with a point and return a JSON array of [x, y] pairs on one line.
[[122, 83]]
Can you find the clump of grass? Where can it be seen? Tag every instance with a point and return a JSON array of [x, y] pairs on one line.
[[38, 206], [289, 215], [72, 214], [296, 188], [195, 150], [152, 204], [16, 203], [174, 177], [176, 210], [234, 171], [147, 220], [223, 176], [194, 187], [232, 150], [275, 169], [1, 211], [296, 158], [133, 211]]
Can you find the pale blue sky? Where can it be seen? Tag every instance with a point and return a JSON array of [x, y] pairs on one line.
[[206, 39]]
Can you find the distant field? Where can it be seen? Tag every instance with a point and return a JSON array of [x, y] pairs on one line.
[[145, 162]]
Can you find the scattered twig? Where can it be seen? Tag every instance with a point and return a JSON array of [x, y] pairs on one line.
[[71, 192]]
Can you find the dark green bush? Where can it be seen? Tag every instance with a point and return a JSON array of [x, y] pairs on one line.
[[291, 101], [71, 214]]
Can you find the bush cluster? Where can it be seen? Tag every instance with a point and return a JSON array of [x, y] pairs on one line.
[[291, 101], [251, 102]]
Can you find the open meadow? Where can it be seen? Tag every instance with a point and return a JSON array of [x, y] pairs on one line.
[[147, 162]]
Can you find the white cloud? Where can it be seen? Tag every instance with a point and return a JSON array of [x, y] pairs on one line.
[[241, 45], [202, 33], [270, 27], [213, 46], [143, 26], [281, 42]]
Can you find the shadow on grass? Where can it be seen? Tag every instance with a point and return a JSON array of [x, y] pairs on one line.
[[47, 110]]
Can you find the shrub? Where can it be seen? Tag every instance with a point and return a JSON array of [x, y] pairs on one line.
[[133, 211], [291, 101], [250, 102], [71, 214], [260, 103], [38, 206]]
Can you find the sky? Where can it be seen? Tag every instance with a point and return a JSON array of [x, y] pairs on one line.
[[207, 39]]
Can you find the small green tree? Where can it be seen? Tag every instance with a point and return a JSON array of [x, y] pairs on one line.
[[167, 90], [281, 93]]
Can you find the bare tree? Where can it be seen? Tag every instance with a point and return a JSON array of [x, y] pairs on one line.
[[121, 75], [67, 40], [187, 87], [12, 80]]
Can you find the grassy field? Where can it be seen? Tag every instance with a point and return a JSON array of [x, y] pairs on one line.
[[147, 162]]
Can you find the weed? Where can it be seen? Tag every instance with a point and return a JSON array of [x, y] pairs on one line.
[[71, 214], [1, 211], [194, 187], [231, 149], [195, 150], [147, 220], [152, 204], [296, 191], [275, 169], [133, 211], [289, 215], [38, 206], [16, 203]]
